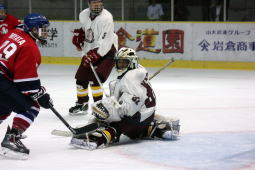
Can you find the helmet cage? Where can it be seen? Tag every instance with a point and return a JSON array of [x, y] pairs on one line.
[[95, 9], [43, 32], [125, 60]]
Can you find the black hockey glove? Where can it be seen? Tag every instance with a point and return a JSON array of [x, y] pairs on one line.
[[42, 98]]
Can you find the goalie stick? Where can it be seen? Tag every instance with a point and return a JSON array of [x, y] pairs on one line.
[[151, 77], [63, 133], [162, 68], [75, 131]]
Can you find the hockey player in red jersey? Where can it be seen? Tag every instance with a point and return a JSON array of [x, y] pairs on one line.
[[20, 87], [98, 43], [7, 21], [130, 110]]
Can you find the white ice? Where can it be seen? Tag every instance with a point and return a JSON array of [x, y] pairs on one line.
[[216, 109]]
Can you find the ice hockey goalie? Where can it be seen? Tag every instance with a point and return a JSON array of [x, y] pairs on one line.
[[130, 110]]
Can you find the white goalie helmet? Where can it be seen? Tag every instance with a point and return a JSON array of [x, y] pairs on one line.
[[126, 59]]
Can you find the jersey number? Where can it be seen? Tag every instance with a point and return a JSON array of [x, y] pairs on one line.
[[9, 49], [151, 100]]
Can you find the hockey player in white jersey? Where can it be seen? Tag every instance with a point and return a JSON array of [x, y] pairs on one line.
[[130, 110], [98, 43]]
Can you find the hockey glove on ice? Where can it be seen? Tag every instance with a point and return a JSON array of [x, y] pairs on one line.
[[92, 57], [42, 98]]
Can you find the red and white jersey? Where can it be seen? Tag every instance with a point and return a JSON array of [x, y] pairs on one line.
[[19, 60], [99, 33], [134, 92], [9, 23]]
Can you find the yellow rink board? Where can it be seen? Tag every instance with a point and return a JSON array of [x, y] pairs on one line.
[[227, 65]]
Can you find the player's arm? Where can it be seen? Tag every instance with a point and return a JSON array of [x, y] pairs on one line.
[[78, 38], [26, 77], [104, 42], [111, 110], [131, 100]]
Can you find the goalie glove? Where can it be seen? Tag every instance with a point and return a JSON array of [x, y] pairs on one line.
[[107, 109], [42, 98], [78, 38]]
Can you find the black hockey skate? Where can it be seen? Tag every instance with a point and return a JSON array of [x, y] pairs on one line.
[[79, 109], [12, 147]]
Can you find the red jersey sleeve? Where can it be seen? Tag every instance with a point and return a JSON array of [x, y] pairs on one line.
[[25, 70]]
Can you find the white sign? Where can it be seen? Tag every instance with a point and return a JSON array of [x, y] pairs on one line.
[[183, 41]]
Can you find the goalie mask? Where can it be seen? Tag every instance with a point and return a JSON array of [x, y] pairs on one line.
[[37, 26], [96, 7], [126, 59]]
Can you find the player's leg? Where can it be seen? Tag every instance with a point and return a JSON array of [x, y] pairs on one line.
[[103, 69], [83, 77], [12, 100], [97, 91], [130, 126], [103, 135], [81, 105], [164, 128], [5, 110], [133, 127], [98, 139], [11, 146]]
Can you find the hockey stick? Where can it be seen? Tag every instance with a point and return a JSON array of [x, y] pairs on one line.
[[98, 79], [66, 133], [75, 131], [101, 85], [63, 133], [162, 68]]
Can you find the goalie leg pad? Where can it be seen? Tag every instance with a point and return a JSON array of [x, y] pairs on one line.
[[98, 139], [83, 144], [164, 128]]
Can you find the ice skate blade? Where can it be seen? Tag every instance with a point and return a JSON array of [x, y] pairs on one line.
[[10, 154]]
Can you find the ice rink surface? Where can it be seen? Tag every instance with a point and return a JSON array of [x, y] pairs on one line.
[[216, 110]]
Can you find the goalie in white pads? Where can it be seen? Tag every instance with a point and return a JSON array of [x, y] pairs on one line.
[[130, 110]]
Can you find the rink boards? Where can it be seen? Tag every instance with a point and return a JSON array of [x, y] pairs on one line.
[[213, 45]]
